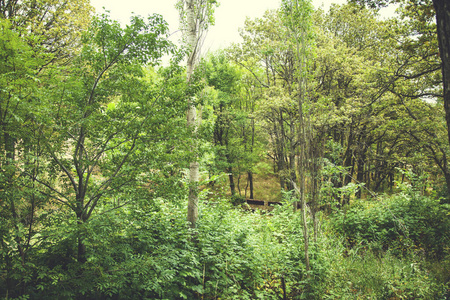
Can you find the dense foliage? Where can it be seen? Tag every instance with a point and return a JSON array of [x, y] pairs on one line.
[[334, 120]]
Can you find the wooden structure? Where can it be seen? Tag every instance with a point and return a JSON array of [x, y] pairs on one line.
[[262, 204]]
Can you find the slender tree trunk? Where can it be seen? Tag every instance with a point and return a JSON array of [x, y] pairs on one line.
[[297, 19], [250, 173], [361, 161], [292, 167], [348, 163], [250, 181], [377, 167], [303, 163], [231, 179], [447, 180], [10, 147], [305, 234], [292, 152], [279, 157], [360, 174], [283, 287], [314, 155], [192, 213]]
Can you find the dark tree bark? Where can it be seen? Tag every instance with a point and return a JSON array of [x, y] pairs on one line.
[[231, 178], [442, 8], [348, 164], [250, 181]]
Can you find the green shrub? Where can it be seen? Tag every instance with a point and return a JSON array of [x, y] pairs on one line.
[[400, 223], [370, 276], [237, 200]]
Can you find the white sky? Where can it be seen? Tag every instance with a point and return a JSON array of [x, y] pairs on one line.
[[230, 15]]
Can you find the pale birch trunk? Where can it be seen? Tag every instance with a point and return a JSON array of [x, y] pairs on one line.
[[192, 121]]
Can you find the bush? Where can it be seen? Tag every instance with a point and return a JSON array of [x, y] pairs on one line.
[[370, 276], [400, 223], [133, 253], [237, 200]]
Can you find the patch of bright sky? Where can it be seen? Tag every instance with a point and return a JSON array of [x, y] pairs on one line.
[[229, 16]]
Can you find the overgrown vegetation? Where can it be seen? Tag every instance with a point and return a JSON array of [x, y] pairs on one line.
[[336, 115], [145, 252]]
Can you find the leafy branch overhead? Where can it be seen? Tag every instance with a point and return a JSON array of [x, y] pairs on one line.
[[93, 145]]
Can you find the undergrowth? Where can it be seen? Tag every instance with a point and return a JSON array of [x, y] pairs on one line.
[[393, 249]]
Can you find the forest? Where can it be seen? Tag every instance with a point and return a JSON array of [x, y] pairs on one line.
[[131, 165]]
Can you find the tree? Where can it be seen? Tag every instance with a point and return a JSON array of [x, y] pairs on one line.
[[223, 78], [233, 132], [18, 81], [51, 27], [49, 33], [273, 70], [360, 79], [297, 17], [100, 115], [346, 69], [36, 37], [426, 9], [442, 9], [421, 46], [196, 16]]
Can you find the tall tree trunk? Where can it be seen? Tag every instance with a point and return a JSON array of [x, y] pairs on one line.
[[192, 213], [302, 132], [250, 173], [198, 17], [442, 8], [297, 17]]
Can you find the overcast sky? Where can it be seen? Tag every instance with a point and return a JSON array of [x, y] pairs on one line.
[[230, 15]]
